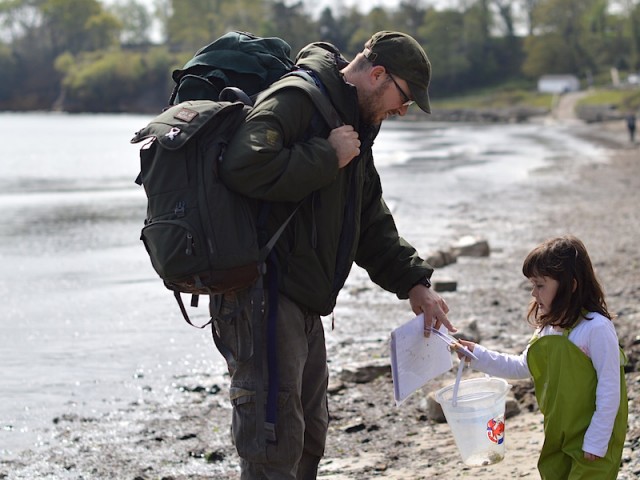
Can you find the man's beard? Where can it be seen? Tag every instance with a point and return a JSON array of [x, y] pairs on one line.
[[371, 106]]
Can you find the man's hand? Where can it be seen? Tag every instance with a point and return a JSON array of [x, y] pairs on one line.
[[435, 309], [346, 143]]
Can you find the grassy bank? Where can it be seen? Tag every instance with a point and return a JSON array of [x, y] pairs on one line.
[[509, 97], [620, 99], [497, 98]]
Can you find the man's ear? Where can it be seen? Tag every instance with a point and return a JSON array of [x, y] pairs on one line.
[[377, 74]]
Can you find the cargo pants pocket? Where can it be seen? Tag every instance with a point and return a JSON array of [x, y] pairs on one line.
[[232, 330], [282, 454]]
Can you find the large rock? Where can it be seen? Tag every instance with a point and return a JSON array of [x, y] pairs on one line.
[[470, 246], [365, 372], [445, 285], [441, 258]]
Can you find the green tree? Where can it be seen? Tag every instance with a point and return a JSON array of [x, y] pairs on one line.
[[115, 81], [505, 13], [196, 23], [505, 42], [376, 20], [351, 24], [443, 34], [136, 21], [18, 18], [9, 74], [630, 21], [78, 25], [528, 7], [475, 44], [634, 35], [329, 28], [31, 77], [409, 16], [546, 54], [478, 42], [561, 41], [293, 24]]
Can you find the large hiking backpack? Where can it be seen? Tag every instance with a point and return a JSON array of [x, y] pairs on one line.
[[202, 237], [238, 59]]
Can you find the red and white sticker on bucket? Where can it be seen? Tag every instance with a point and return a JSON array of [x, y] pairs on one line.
[[495, 430]]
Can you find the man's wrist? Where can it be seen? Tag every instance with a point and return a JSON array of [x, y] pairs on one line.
[[422, 281]]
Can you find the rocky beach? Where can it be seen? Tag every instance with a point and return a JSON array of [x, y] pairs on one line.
[[370, 437]]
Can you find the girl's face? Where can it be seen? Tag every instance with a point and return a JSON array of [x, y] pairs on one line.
[[544, 291]]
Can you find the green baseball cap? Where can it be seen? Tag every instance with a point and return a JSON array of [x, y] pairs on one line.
[[403, 56]]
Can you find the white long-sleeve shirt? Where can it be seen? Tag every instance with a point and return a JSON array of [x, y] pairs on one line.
[[598, 340]]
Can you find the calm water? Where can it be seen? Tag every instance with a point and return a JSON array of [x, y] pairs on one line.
[[86, 325]]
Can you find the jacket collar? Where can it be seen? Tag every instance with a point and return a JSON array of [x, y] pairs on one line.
[[327, 61]]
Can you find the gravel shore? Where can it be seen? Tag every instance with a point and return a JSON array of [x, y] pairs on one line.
[[369, 436]]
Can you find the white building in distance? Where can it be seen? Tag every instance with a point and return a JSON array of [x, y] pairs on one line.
[[558, 84]]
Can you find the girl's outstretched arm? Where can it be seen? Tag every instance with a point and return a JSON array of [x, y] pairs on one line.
[[498, 364]]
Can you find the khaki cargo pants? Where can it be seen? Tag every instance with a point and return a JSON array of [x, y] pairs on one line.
[[302, 418]]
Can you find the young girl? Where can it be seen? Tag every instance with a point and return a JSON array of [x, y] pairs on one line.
[[575, 361]]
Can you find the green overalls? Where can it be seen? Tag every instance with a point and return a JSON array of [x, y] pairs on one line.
[[565, 383]]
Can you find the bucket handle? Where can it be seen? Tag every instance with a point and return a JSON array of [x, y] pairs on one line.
[[454, 400]]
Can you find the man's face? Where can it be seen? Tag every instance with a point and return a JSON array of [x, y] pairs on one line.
[[386, 98]]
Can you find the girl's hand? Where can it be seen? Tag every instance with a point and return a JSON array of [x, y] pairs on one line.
[[469, 345], [590, 456]]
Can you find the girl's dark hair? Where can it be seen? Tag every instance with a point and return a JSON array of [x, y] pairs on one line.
[[565, 259]]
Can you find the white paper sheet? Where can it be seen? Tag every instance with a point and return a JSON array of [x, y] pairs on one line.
[[415, 359]]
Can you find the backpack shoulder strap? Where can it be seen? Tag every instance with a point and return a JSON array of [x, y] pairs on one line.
[[303, 81]]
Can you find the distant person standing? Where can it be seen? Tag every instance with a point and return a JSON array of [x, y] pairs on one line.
[[631, 126]]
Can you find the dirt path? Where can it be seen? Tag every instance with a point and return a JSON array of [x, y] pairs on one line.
[[564, 106]]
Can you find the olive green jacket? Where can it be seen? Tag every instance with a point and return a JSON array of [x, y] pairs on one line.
[[343, 218]]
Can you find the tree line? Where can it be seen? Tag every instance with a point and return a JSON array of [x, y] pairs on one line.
[[87, 55]]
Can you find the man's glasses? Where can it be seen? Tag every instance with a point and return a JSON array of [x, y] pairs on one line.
[[407, 101]]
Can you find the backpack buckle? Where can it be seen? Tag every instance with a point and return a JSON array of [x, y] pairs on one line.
[[179, 210]]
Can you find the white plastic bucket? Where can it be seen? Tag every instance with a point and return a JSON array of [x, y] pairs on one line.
[[477, 418]]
